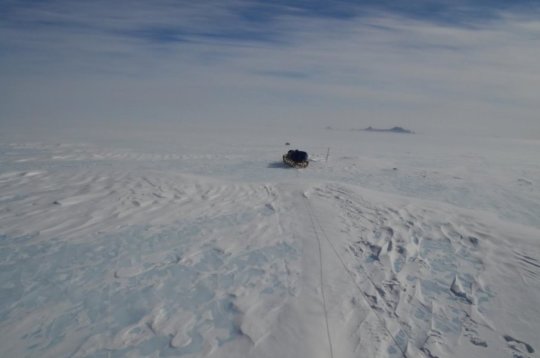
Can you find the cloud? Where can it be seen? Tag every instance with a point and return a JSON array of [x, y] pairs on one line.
[[247, 61]]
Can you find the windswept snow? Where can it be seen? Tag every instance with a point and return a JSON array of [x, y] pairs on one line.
[[408, 246]]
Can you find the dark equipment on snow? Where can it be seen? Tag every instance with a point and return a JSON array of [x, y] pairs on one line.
[[296, 159]]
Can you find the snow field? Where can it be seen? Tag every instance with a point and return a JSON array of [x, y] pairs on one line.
[[436, 277], [113, 285], [114, 252]]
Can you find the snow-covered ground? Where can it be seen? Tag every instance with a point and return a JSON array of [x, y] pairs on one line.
[[199, 243]]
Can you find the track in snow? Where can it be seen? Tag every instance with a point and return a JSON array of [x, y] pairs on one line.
[[323, 296], [314, 219]]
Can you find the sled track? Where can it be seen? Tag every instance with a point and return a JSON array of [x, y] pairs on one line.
[[313, 218], [310, 212]]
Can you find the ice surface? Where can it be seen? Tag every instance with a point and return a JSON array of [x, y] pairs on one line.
[[201, 246]]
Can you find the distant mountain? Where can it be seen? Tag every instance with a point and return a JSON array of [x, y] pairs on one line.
[[392, 130]]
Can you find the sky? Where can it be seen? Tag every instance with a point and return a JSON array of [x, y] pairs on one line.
[[445, 65]]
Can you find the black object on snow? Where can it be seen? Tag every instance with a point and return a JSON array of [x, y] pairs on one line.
[[296, 159]]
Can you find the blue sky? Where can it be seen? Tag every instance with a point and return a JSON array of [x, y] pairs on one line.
[[429, 65]]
